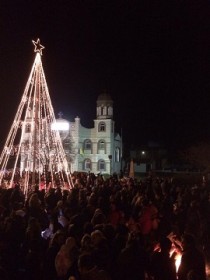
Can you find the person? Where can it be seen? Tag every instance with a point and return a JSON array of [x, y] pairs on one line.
[[89, 270], [55, 243], [162, 266], [132, 261], [66, 258], [192, 260], [192, 275]]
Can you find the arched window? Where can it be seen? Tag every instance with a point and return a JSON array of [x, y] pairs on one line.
[[87, 164], [101, 145], [101, 126], [98, 111], [110, 111], [117, 154], [87, 144], [101, 165], [104, 110]]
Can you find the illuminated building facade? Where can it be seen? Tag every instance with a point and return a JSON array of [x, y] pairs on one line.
[[97, 149]]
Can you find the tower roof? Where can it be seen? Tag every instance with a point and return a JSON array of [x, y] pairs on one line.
[[104, 98]]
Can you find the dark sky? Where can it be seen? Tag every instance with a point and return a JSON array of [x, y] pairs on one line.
[[153, 57]]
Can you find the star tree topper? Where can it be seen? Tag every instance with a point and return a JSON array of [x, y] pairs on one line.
[[38, 46]]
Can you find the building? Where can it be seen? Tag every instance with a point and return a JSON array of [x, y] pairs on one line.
[[97, 149], [150, 157]]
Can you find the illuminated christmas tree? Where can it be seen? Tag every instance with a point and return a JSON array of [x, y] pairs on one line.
[[33, 153]]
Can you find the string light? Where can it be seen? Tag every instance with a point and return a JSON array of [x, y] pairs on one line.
[[39, 147], [38, 46]]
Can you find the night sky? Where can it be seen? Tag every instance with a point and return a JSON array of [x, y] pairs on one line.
[[153, 57]]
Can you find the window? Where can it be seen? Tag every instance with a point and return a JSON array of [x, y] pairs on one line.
[[101, 127], [110, 111], [104, 111], [117, 154], [87, 144], [101, 145], [101, 165], [87, 164]]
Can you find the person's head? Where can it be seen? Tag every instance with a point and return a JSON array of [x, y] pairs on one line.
[[192, 275], [60, 204], [70, 243], [58, 239], [85, 263], [165, 244], [96, 237], [86, 241], [188, 241], [98, 217]]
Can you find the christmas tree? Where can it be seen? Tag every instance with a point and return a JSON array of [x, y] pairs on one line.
[[33, 153]]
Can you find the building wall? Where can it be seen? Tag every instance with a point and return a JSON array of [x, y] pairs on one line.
[[78, 135]]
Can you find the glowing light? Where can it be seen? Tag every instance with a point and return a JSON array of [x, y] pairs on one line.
[[60, 126], [176, 254], [176, 250], [40, 147], [38, 46], [178, 259]]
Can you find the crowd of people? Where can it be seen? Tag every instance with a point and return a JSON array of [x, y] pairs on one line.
[[107, 229]]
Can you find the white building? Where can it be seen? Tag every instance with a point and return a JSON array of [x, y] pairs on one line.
[[97, 149]]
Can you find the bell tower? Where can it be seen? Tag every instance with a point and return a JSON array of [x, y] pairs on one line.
[[104, 108]]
